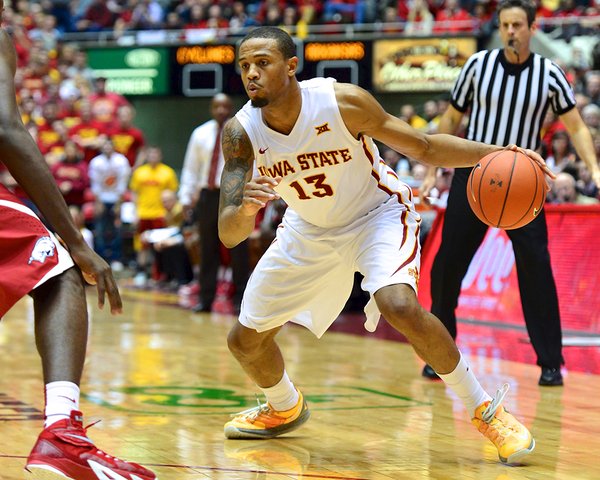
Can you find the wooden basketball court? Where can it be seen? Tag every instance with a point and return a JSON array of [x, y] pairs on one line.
[[163, 383]]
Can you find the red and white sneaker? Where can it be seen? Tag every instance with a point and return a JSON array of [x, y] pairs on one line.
[[63, 451]]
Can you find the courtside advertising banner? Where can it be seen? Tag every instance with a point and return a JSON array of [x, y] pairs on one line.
[[490, 290]]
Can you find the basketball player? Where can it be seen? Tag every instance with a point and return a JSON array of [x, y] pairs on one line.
[[507, 92], [347, 212], [33, 261]]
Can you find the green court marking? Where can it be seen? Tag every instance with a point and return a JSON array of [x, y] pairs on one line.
[[196, 400]]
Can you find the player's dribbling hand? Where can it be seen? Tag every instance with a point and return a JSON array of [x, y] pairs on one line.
[[97, 272], [257, 192], [536, 157]]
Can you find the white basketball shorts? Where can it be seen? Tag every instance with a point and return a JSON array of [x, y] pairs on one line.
[[306, 275]]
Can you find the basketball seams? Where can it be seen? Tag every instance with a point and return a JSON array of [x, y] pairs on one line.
[[533, 165], [512, 172], [479, 196]]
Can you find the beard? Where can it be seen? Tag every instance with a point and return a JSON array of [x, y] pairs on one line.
[[259, 102]]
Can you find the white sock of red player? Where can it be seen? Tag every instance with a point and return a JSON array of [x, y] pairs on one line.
[[282, 396], [61, 399]]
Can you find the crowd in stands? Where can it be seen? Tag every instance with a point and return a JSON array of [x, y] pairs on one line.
[[96, 153], [47, 20]]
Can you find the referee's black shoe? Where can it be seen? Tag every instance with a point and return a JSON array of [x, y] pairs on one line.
[[429, 372], [551, 377]]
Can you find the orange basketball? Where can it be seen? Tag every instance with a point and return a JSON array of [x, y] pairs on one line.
[[506, 189]]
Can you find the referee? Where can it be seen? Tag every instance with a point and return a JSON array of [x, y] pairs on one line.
[[507, 93]]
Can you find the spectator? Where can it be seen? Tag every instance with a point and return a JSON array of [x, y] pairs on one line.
[[562, 152], [48, 136], [432, 115], [80, 69], [171, 254], [453, 19], [215, 19], [591, 116], [196, 17], [353, 10], [89, 134], [126, 138], [29, 111], [71, 175], [109, 174], [585, 182], [104, 103], [97, 17], [148, 181], [240, 18], [47, 33], [391, 21], [409, 115], [265, 5], [564, 191], [147, 15], [289, 20], [173, 21]]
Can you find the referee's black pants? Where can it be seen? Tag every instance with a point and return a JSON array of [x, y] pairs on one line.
[[207, 215], [462, 235]]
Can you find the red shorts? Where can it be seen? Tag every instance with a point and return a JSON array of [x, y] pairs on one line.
[[29, 253], [150, 224]]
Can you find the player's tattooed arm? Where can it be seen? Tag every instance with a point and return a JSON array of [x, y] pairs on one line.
[[239, 158], [234, 225]]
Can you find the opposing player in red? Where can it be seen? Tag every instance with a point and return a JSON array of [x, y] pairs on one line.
[[33, 262]]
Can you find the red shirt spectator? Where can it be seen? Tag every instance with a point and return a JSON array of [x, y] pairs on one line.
[[89, 134], [455, 19], [105, 104], [71, 175], [97, 17], [127, 139], [48, 135]]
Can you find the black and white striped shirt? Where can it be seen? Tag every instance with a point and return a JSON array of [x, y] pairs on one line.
[[508, 101]]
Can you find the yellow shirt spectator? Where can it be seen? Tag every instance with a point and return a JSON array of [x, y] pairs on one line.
[[148, 182]]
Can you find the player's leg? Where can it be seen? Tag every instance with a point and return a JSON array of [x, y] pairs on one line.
[[257, 353], [61, 315], [432, 342], [299, 280], [63, 450], [285, 408], [538, 297], [391, 276]]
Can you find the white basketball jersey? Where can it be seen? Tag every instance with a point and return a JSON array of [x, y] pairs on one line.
[[330, 178]]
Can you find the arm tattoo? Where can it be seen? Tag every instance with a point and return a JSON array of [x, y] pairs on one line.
[[239, 158]]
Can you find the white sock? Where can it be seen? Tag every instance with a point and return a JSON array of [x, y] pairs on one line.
[[466, 386], [282, 396], [61, 399]]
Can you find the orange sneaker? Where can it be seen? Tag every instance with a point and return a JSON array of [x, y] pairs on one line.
[[511, 437], [265, 422]]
